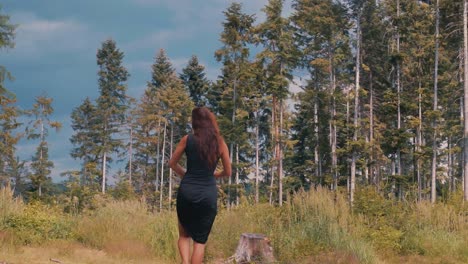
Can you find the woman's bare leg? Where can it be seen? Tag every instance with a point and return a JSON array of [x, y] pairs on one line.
[[184, 245], [198, 253]]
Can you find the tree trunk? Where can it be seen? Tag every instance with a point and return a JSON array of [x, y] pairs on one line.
[[104, 160], [398, 84], [237, 175], [333, 127], [170, 169], [130, 156], [280, 155], [41, 154], [356, 110], [331, 123], [449, 164], [254, 248], [371, 130], [257, 157], [316, 136], [233, 120], [419, 143], [465, 89], [273, 136], [434, 122], [161, 188], [158, 154], [228, 205]]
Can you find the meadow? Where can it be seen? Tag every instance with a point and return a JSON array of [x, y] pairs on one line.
[[315, 226]]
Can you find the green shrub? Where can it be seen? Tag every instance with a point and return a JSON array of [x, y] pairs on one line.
[[38, 223]]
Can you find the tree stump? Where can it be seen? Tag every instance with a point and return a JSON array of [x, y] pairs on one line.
[[254, 248]]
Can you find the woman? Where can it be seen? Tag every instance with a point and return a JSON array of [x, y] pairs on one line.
[[197, 196]]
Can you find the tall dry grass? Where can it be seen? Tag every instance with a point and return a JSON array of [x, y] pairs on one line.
[[127, 229], [312, 226], [312, 222], [9, 205], [436, 230]]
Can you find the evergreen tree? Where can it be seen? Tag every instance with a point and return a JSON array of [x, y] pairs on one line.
[[86, 127], [374, 81], [321, 34], [8, 137], [112, 103], [175, 108], [41, 165], [7, 32], [193, 77], [8, 111], [279, 57], [161, 69], [236, 36], [149, 131]]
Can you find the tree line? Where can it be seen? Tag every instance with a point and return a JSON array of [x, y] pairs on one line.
[[381, 102]]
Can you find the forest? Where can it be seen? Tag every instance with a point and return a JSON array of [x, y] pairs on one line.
[[345, 122]]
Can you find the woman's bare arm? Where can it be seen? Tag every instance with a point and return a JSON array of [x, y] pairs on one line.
[[178, 152], [226, 161]]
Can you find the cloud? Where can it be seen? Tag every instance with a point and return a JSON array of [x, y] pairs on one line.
[[37, 36], [202, 12], [159, 39]]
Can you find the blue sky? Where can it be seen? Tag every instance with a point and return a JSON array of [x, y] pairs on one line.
[[57, 40]]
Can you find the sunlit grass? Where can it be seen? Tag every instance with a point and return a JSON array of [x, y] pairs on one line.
[[316, 226]]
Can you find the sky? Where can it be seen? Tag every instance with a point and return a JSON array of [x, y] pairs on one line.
[[57, 40]]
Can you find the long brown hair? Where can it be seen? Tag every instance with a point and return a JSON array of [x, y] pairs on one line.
[[207, 135]]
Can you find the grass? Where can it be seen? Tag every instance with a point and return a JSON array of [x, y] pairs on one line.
[[312, 227]]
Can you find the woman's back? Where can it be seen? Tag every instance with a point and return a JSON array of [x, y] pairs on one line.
[[197, 196], [198, 171]]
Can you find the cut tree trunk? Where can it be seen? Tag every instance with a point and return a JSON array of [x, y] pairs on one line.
[[254, 248]]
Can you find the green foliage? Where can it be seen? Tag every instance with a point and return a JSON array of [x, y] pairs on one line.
[[39, 129], [412, 228], [85, 123], [162, 70], [123, 190], [7, 31], [193, 77], [310, 223], [37, 223]]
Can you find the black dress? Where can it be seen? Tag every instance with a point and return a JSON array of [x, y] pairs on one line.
[[197, 195]]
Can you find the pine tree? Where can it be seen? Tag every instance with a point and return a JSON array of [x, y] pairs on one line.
[[7, 32], [320, 33], [8, 111], [465, 89], [193, 77], [235, 58], [41, 165], [175, 108], [375, 67], [86, 127], [278, 55], [112, 103], [8, 137], [161, 69], [148, 132]]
